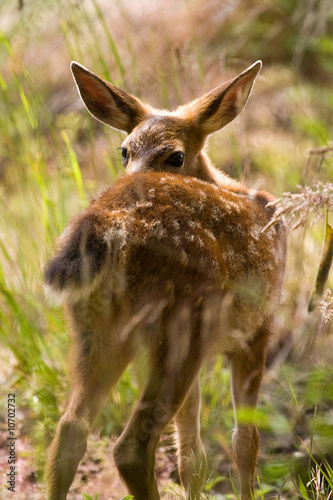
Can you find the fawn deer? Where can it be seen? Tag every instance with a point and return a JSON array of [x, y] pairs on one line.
[[180, 265], [159, 140]]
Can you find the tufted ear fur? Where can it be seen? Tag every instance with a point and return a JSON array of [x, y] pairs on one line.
[[221, 105], [106, 102]]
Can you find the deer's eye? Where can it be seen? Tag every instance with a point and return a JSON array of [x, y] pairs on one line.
[[124, 154], [176, 159]]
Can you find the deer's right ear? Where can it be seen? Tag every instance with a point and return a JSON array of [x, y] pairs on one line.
[[106, 102]]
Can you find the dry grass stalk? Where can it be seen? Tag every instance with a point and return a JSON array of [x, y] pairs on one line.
[[325, 306], [295, 208]]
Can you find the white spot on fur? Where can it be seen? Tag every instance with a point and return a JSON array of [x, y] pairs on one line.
[[176, 240], [255, 232], [203, 194], [230, 205], [116, 237], [252, 194], [189, 236], [209, 234]]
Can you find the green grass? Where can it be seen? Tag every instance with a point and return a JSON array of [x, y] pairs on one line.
[[54, 158]]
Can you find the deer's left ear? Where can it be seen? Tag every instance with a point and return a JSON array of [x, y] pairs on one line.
[[221, 105]]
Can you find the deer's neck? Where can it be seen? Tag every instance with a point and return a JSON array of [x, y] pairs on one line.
[[207, 172]]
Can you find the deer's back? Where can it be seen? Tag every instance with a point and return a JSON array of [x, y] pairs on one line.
[[158, 236]]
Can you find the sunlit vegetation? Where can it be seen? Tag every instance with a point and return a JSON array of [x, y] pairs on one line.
[[54, 157]]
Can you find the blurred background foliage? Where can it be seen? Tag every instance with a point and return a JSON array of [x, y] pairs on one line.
[[54, 157]]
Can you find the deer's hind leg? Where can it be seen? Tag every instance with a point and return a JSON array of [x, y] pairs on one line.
[[173, 370], [247, 367], [192, 457], [99, 360]]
